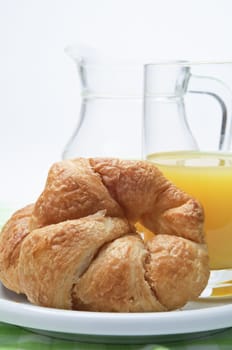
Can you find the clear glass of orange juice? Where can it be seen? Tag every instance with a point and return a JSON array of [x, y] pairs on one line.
[[187, 133]]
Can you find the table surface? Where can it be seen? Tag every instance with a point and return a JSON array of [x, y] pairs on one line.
[[13, 337]]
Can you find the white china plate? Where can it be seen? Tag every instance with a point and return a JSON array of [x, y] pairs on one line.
[[194, 320], [219, 286]]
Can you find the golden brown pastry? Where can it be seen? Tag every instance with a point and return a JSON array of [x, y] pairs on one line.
[[54, 257], [11, 238], [77, 248], [73, 190]]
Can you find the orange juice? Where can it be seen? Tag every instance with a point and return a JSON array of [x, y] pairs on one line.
[[207, 177]]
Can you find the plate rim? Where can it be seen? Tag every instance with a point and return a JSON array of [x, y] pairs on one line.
[[22, 313]]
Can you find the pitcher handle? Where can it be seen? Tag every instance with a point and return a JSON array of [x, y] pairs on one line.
[[221, 92]]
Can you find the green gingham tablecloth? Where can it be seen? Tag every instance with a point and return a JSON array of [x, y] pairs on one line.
[[13, 337]]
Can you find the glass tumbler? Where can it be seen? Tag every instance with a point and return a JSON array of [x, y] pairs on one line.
[[187, 134]]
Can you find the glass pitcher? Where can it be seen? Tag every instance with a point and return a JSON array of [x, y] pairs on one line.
[[110, 120], [187, 134]]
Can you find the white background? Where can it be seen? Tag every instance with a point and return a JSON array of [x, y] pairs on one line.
[[39, 90]]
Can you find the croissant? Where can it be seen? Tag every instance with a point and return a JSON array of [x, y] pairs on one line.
[[77, 247]]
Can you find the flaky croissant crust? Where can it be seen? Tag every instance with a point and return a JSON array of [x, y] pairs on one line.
[[77, 247]]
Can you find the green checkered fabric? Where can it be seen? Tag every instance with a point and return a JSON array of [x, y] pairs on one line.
[[14, 337]]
